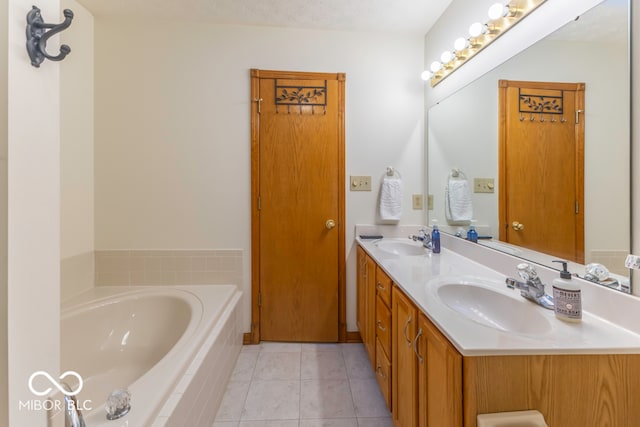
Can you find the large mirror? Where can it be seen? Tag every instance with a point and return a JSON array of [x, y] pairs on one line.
[[463, 134]]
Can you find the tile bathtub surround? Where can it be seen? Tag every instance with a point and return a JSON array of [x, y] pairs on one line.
[[303, 385], [77, 274], [168, 267]]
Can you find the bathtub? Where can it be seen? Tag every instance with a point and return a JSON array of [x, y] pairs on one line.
[[173, 348]]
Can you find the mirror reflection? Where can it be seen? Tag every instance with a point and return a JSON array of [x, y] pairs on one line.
[[465, 136]]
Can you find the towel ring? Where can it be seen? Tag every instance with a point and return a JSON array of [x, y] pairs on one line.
[[391, 172]]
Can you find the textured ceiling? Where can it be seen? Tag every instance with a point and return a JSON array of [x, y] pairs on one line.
[[407, 16]]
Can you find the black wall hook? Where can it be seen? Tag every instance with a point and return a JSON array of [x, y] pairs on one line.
[[37, 36]]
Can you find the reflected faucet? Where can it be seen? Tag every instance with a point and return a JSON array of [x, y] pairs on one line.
[[72, 415], [422, 236], [532, 287]]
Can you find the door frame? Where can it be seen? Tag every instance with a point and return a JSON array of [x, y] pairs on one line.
[[579, 88], [253, 337]]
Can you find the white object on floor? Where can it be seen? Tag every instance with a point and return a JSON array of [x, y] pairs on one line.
[[512, 419], [391, 198]]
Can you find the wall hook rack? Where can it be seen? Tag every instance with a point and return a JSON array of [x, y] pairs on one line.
[[38, 33]]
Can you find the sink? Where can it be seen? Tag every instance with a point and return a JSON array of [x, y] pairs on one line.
[[401, 247], [492, 308]]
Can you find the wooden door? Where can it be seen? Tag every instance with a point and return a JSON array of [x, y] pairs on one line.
[[439, 378], [298, 206], [541, 167], [404, 383]]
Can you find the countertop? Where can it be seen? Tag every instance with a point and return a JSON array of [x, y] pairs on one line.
[[418, 276]]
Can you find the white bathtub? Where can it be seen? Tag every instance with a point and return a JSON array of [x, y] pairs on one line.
[[173, 348]]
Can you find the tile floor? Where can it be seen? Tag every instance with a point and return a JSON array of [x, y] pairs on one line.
[[303, 385]]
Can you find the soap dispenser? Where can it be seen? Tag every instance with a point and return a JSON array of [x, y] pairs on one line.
[[567, 299], [435, 238], [472, 234]]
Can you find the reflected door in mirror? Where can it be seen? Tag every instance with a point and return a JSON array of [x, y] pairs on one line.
[[541, 167]]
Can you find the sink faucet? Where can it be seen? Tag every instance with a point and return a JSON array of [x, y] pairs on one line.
[[531, 287], [72, 415], [422, 236]]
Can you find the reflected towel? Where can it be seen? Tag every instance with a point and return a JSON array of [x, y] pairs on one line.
[[391, 199], [458, 201]]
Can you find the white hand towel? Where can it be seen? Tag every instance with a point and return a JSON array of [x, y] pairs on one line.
[[459, 204], [391, 199]]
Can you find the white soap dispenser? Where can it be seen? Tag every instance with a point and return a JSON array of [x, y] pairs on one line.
[[567, 299]]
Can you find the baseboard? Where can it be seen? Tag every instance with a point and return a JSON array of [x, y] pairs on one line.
[[353, 337]]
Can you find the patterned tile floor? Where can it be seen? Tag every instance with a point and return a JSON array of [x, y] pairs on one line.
[[303, 385]]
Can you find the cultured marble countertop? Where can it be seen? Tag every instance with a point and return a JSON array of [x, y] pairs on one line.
[[418, 277]]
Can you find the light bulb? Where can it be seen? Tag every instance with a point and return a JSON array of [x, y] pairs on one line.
[[460, 44], [497, 11], [435, 66], [426, 75], [476, 29], [446, 56]]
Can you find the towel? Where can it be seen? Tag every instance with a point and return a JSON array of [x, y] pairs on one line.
[[458, 203], [391, 198]]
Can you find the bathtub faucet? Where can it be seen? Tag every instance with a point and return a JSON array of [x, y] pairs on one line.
[[72, 414]]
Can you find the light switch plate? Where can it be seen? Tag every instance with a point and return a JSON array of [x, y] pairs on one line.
[[430, 202], [418, 201], [360, 183], [483, 185]]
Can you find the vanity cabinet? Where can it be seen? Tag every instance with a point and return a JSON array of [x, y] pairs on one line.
[[366, 302], [404, 363], [439, 377], [430, 384], [383, 333]]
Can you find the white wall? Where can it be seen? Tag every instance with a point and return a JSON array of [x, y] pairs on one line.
[[172, 146], [4, 86], [635, 139], [33, 213], [76, 154], [473, 147]]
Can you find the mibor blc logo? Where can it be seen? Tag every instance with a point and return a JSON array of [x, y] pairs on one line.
[[57, 385], [39, 389]]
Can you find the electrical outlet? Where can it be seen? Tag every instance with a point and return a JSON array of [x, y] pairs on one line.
[[418, 201], [430, 202], [483, 185], [360, 183]]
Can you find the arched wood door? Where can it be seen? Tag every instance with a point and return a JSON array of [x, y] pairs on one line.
[[298, 207], [541, 167]]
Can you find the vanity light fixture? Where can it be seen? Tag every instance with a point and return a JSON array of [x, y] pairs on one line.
[[501, 18]]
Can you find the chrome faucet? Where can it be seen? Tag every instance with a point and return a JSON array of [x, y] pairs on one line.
[[422, 236], [532, 287], [72, 414]]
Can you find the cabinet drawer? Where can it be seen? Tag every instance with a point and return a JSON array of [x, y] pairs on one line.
[[383, 373], [383, 325], [383, 286]]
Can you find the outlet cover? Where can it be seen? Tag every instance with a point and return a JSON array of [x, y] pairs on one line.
[[360, 183], [418, 201], [483, 185]]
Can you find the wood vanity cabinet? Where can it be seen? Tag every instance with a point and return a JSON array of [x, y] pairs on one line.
[[404, 363], [429, 383], [439, 378], [366, 302]]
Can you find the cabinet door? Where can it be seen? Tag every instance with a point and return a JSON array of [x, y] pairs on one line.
[[403, 361], [439, 378], [366, 303]]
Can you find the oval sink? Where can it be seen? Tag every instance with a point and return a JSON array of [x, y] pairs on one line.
[[399, 247], [494, 309]]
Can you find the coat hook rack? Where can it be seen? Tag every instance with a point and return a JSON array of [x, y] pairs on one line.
[[37, 36]]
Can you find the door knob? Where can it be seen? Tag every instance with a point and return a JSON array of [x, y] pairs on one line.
[[330, 224], [517, 226]]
